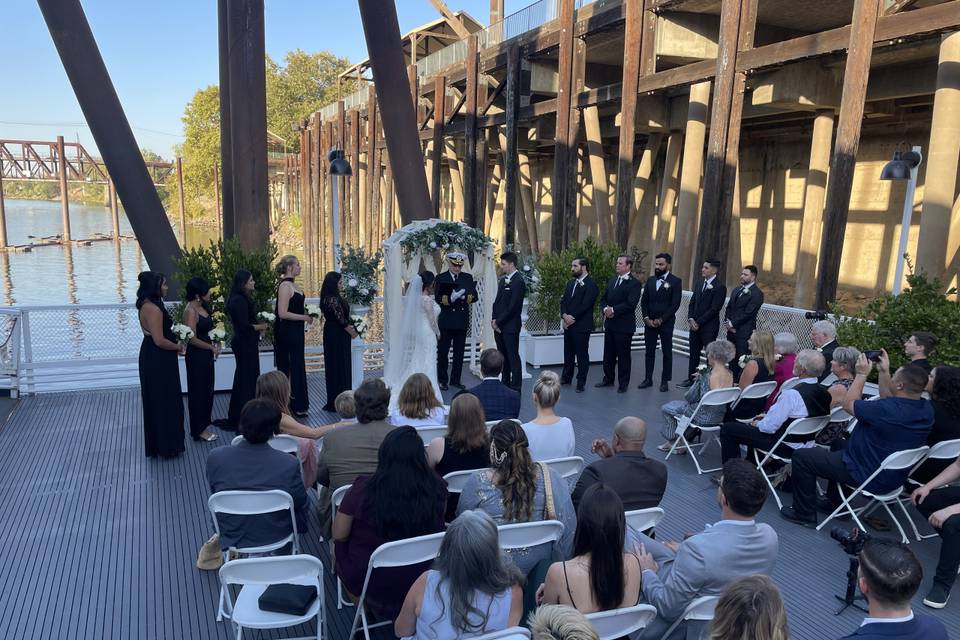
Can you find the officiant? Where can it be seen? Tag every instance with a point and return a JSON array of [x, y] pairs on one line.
[[455, 292]]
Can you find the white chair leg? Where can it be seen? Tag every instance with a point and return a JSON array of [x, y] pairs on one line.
[[773, 491], [366, 624], [903, 534], [913, 525]]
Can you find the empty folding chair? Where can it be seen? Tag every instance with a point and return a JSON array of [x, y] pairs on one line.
[[428, 433], [715, 398], [335, 501], [569, 467], [643, 520], [897, 460], [618, 623], [701, 609], [254, 575], [808, 427], [946, 450]]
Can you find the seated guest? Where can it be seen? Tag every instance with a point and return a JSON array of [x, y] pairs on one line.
[[759, 367], [750, 607], [717, 376], [351, 450], [785, 346], [823, 334], [472, 589], [549, 435], [499, 401], [940, 504], [403, 498], [808, 398], [559, 622], [600, 576], [705, 563], [253, 465], [346, 406], [943, 385], [843, 366], [918, 348], [418, 405], [889, 577], [639, 481], [884, 426], [466, 445], [514, 490]]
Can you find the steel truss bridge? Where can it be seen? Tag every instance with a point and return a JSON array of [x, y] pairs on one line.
[[39, 161]]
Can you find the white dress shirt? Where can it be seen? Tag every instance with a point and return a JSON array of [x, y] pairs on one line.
[[869, 620], [789, 405]]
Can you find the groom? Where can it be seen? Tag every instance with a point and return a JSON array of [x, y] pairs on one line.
[[455, 292], [506, 319]]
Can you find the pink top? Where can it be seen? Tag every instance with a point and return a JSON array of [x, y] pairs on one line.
[[782, 371]]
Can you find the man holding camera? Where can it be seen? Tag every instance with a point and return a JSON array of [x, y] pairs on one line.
[[887, 425]]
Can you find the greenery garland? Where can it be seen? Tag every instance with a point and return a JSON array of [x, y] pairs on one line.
[[430, 236]]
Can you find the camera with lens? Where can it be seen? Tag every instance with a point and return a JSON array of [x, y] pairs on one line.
[[851, 541], [815, 315]]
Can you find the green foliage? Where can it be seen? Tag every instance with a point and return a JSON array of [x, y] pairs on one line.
[[887, 322], [361, 274], [432, 235], [554, 271]]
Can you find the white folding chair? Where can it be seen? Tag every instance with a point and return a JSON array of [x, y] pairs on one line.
[[700, 609], [280, 442], [254, 575], [790, 383], [946, 450], [621, 622], [253, 503], [335, 501], [566, 467], [895, 461], [755, 391], [492, 423], [399, 553], [643, 520], [457, 479], [513, 633], [715, 398], [830, 379], [523, 535], [428, 433], [809, 427]]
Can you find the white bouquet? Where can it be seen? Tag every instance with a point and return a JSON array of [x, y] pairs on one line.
[[360, 324], [702, 369], [182, 331], [313, 310], [218, 334], [744, 359], [266, 316]]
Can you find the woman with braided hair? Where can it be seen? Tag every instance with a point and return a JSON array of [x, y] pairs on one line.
[[516, 489]]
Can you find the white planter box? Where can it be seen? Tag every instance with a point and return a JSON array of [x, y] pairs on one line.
[[543, 351], [223, 370]]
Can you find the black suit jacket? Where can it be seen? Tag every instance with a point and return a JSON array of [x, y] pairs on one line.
[[578, 301], [455, 315], [705, 305], [509, 302], [663, 304], [499, 401], [638, 480], [623, 299], [742, 309]]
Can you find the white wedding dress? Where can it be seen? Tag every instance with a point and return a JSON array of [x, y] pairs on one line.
[[416, 351]]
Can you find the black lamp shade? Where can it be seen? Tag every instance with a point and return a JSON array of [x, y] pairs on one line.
[[899, 168], [338, 164]]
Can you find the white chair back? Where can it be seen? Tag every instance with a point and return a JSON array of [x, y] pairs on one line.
[[945, 450], [901, 460], [457, 479], [271, 570], [701, 609], [566, 467], [251, 503], [285, 443], [254, 575], [806, 426], [236, 440], [756, 390], [714, 398], [337, 497], [492, 423], [642, 520], [621, 622], [402, 553], [513, 633], [830, 379], [529, 534], [428, 433], [789, 384], [838, 414]]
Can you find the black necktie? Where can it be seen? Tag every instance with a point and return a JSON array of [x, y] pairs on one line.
[[705, 283]]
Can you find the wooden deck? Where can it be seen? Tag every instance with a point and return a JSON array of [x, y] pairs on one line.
[[100, 542]]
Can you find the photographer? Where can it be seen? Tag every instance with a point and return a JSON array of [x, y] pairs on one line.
[[942, 508], [884, 426]]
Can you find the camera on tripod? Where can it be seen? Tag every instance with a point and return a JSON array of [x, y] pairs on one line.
[[851, 541], [815, 315]]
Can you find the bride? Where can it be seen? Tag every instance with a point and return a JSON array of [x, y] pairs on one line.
[[416, 351]]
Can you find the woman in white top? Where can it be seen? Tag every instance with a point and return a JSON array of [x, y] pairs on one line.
[[418, 405], [550, 436]]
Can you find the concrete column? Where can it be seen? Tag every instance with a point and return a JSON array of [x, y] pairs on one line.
[[642, 181], [456, 179], [813, 199], [526, 199], [692, 168], [668, 191], [598, 171], [939, 238]]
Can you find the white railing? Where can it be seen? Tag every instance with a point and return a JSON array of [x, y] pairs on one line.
[[10, 326]]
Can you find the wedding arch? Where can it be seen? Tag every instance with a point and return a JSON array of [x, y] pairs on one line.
[[424, 245]]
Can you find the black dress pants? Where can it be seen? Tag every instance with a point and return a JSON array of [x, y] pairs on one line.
[[735, 433], [949, 534], [616, 357], [458, 339], [698, 341], [576, 350], [739, 340], [509, 345], [810, 464], [663, 333]]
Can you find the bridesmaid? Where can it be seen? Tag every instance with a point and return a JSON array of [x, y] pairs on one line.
[[338, 331], [245, 344], [201, 353], [159, 370], [288, 334]]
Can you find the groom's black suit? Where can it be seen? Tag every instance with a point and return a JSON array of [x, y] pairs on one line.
[[622, 296], [660, 304], [453, 322], [506, 312], [578, 301]]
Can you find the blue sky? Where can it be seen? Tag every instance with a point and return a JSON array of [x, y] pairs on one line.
[[159, 53]]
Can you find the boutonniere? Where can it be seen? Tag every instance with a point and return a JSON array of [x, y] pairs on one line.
[[745, 290], [744, 359], [666, 285], [709, 287], [778, 357]]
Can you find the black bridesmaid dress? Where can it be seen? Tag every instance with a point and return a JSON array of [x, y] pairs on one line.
[[160, 395], [200, 379], [336, 348], [288, 347], [246, 353]]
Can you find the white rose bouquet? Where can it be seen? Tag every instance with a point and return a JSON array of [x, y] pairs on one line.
[[360, 324], [743, 360], [313, 311], [266, 316], [218, 334], [182, 331]]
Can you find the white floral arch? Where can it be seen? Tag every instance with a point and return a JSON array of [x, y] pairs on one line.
[[424, 244]]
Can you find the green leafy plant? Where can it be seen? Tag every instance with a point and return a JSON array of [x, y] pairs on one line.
[[361, 274]]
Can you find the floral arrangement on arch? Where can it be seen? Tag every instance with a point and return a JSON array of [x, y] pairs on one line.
[[360, 274], [443, 236], [527, 268]]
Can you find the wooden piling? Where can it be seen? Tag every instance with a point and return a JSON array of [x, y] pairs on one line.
[[3, 212], [180, 203], [114, 208], [812, 225], [64, 194]]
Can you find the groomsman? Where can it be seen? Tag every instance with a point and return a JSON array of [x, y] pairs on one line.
[[620, 312], [506, 319], [659, 305], [576, 311], [703, 314], [742, 309], [455, 292]]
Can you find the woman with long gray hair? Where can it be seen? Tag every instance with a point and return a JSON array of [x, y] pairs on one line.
[[472, 589]]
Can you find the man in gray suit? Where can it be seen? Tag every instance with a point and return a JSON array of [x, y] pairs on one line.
[[351, 450], [675, 574]]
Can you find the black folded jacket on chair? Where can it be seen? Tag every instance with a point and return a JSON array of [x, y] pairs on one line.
[[291, 599]]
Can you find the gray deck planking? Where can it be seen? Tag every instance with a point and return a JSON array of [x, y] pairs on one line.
[[100, 542]]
